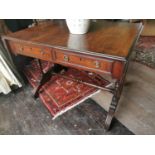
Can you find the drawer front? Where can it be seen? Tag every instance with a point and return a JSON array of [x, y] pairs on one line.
[[44, 53], [90, 62]]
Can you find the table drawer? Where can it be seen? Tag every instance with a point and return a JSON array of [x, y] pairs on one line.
[[85, 61], [44, 53]]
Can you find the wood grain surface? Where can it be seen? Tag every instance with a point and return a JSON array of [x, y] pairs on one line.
[[104, 37]]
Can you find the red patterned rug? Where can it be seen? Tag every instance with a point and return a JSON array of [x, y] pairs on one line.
[[60, 94], [146, 43], [145, 51]]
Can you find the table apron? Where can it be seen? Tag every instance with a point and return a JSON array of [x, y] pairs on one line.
[[68, 58]]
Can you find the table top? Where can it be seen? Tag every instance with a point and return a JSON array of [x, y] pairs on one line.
[[107, 38]]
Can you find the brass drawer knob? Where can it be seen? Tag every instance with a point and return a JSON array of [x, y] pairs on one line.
[[21, 49], [97, 64], [66, 58], [42, 52]]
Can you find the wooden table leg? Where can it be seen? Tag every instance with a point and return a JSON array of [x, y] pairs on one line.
[[116, 96], [112, 109]]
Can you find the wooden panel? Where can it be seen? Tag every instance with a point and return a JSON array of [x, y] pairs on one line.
[[71, 59], [117, 69], [86, 61], [31, 50]]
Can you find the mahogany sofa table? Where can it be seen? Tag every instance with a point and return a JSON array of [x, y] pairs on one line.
[[104, 50]]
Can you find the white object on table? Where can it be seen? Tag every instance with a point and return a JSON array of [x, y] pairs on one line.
[[78, 26]]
